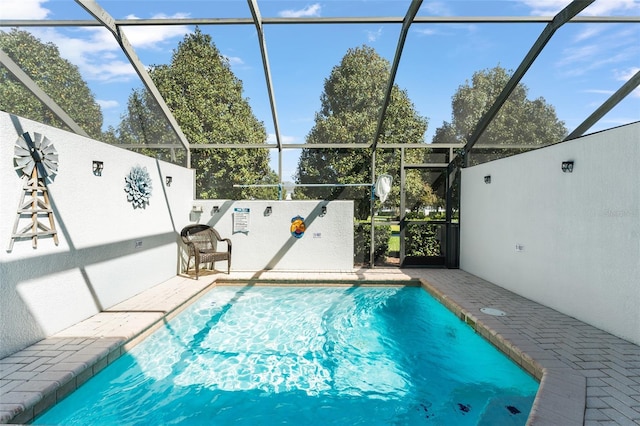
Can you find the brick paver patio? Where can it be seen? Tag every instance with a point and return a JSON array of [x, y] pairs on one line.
[[587, 376]]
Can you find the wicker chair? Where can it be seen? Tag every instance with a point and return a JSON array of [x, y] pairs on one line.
[[202, 243]]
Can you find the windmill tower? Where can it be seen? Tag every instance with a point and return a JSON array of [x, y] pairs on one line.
[[38, 161]]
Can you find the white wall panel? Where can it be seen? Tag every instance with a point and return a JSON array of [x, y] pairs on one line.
[[579, 232]]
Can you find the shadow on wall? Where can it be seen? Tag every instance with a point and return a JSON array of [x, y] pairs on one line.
[[313, 215], [26, 281]]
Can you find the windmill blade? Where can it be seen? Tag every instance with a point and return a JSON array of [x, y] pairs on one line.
[[28, 169], [19, 151], [52, 158], [23, 161], [20, 142], [50, 167], [49, 149], [37, 140]]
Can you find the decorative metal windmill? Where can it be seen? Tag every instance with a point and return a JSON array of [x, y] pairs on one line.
[[37, 159]]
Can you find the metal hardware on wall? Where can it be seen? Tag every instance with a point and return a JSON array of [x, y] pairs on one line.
[[98, 166], [567, 166]]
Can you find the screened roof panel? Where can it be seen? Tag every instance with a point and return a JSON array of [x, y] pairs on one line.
[[584, 64], [438, 58], [177, 9], [333, 9], [299, 74]]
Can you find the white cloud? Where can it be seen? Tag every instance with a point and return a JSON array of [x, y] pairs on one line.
[[313, 10], [625, 75], [436, 8], [599, 91], [153, 37], [425, 31], [271, 138], [234, 60], [106, 104], [545, 7], [589, 32], [374, 35], [23, 9], [96, 53], [598, 8]]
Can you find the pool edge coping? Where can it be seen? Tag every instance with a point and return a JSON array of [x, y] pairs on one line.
[[562, 389], [28, 412]]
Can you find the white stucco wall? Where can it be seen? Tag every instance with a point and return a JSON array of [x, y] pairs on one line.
[[579, 232], [96, 263], [327, 244]]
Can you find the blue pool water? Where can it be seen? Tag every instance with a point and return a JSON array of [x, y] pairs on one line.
[[307, 356]]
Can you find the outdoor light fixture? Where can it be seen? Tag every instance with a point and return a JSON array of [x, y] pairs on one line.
[[567, 166], [267, 211], [168, 180], [98, 166], [215, 209], [487, 179], [323, 210]]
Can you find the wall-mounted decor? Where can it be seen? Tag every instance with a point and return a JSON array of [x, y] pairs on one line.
[[298, 226], [138, 187], [37, 160]]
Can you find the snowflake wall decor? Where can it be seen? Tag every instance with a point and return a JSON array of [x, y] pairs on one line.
[[138, 187]]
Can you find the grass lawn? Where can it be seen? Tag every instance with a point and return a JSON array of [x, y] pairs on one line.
[[394, 243], [394, 239]]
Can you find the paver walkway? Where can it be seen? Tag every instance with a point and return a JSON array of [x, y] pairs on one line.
[[588, 376]]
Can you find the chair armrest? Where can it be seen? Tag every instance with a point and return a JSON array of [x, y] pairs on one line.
[[189, 244]]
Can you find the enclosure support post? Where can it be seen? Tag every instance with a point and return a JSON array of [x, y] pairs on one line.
[[372, 201], [403, 215]]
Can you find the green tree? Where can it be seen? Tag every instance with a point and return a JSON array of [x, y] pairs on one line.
[[520, 121], [56, 76], [206, 99], [350, 107]]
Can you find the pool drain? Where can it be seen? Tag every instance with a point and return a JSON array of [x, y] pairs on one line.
[[494, 312]]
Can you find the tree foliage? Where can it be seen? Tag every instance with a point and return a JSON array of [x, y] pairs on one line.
[[350, 107], [206, 99], [56, 76], [520, 121]]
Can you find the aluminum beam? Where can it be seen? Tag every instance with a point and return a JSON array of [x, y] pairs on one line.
[[431, 147], [560, 19], [607, 106], [109, 23], [318, 20], [33, 87], [406, 23], [257, 19]]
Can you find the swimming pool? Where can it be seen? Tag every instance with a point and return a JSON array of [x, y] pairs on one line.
[[314, 356]]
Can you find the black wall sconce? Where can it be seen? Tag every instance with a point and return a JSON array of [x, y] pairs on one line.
[[487, 179], [567, 166], [168, 180], [215, 209], [323, 211], [268, 211], [98, 166]]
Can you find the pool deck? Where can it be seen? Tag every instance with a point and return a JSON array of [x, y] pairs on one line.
[[587, 375]]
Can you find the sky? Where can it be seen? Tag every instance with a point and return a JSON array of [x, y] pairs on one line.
[[582, 65]]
